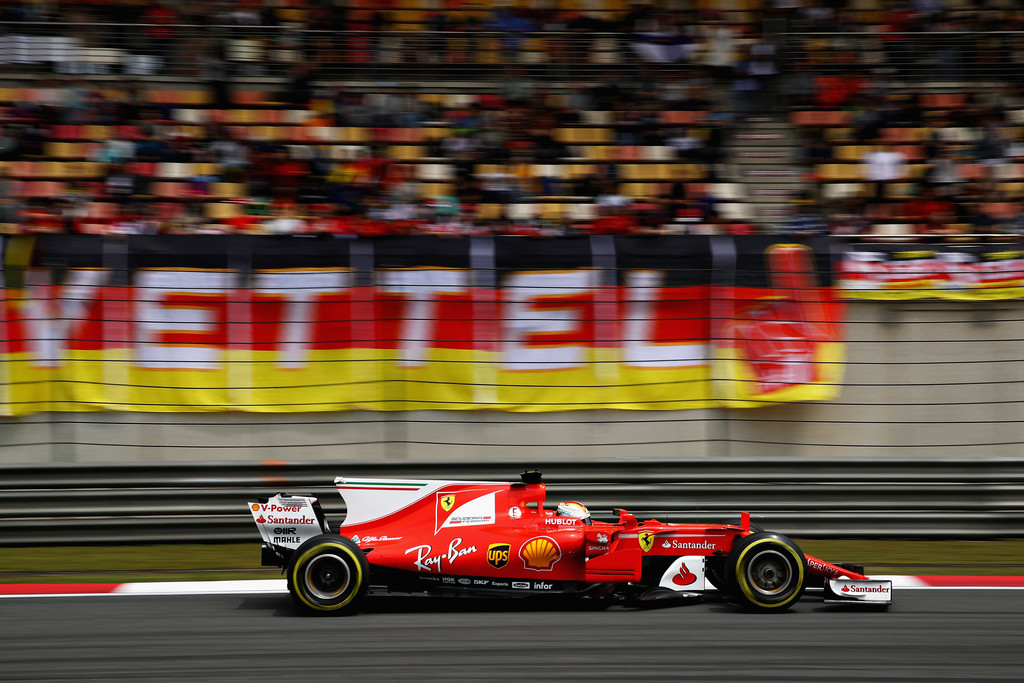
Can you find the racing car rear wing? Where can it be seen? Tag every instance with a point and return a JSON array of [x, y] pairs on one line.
[[287, 520]]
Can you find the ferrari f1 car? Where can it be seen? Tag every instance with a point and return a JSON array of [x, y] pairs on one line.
[[479, 538]]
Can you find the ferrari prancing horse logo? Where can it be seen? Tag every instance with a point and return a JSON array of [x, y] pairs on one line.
[[646, 539], [447, 502]]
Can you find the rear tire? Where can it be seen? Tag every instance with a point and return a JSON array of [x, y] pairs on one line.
[[766, 572], [328, 574]]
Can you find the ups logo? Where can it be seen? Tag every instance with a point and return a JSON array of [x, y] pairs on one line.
[[497, 554]]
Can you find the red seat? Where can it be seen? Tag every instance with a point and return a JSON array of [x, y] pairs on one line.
[[128, 132], [144, 168], [67, 132]]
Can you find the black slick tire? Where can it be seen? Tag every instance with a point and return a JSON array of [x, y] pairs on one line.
[[328, 574], [766, 572]]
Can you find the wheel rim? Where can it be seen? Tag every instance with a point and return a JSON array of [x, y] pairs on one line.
[[770, 572], [327, 577]]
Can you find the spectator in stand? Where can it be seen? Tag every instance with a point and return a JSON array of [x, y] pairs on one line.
[[215, 72], [11, 203], [134, 219], [980, 221], [115, 150], [943, 174], [185, 223], [882, 168], [323, 221], [674, 201], [300, 84], [122, 184], [847, 217], [805, 219], [611, 197], [42, 216], [499, 186], [160, 20], [462, 147], [687, 145], [285, 175], [930, 213], [249, 220], [763, 69], [837, 90], [286, 221], [745, 85], [151, 147], [720, 49], [514, 23], [230, 153], [10, 143]]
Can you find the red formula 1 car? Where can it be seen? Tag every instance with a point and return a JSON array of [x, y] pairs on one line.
[[498, 539]]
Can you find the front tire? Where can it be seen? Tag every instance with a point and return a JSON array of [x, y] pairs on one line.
[[328, 574], [766, 572]]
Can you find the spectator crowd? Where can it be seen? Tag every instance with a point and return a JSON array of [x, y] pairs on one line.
[[878, 147]]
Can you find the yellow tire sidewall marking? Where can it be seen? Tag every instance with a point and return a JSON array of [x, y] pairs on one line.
[[308, 555], [741, 576]]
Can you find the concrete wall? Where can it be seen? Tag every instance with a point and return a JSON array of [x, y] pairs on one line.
[[928, 379]]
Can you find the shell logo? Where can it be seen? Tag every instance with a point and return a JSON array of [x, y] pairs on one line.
[[540, 554], [255, 507]]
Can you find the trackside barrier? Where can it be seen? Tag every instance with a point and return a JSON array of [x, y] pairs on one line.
[[205, 503]]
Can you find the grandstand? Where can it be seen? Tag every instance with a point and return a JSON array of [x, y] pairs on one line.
[[463, 118]]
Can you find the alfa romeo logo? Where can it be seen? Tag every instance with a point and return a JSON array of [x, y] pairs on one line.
[[646, 539], [447, 502]]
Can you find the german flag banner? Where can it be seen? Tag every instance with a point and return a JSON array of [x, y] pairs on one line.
[[283, 324], [975, 272]]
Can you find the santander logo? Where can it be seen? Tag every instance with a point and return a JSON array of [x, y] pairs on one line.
[[685, 577], [854, 588]]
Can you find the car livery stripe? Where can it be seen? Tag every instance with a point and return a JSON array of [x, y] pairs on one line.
[[390, 486]]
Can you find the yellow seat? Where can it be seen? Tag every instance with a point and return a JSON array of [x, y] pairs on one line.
[[490, 212], [221, 210], [428, 190], [405, 152], [840, 172], [584, 136], [553, 212]]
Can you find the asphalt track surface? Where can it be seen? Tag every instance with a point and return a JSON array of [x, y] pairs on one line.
[[927, 635]]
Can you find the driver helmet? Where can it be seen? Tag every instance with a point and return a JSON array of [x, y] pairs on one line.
[[572, 508]]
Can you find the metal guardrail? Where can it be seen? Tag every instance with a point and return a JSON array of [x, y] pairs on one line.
[[205, 503]]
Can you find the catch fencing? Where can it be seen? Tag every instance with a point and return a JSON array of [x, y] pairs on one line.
[[806, 497], [398, 52]]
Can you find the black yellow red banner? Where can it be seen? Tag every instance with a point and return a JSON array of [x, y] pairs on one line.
[[286, 324], [884, 272]]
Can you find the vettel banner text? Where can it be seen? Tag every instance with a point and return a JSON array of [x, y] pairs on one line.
[[274, 325]]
